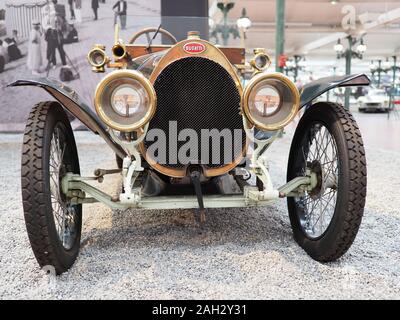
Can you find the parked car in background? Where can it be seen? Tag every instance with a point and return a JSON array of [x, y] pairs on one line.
[[376, 100]]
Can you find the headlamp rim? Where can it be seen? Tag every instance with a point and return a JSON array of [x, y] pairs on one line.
[[263, 77], [258, 54], [136, 76], [91, 62]]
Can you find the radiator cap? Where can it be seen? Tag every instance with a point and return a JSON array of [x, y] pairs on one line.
[[193, 35]]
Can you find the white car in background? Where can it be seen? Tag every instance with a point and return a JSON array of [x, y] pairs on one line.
[[375, 100]]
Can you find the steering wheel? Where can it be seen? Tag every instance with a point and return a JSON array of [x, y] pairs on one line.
[[148, 31]]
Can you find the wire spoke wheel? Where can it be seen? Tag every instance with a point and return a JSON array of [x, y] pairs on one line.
[[321, 157], [327, 143], [63, 213]]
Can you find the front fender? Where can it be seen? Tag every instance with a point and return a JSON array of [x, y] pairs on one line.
[[71, 101], [316, 88]]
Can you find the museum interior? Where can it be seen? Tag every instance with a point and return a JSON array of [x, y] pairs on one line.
[[71, 47]]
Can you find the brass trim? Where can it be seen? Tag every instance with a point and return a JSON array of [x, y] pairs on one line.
[[134, 75], [181, 172], [116, 65], [100, 66], [211, 52], [215, 54], [115, 48], [260, 52], [261, 77]]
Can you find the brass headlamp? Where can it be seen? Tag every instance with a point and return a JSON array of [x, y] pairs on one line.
[[97, 58], [261, 60], [125, 100], [270, 101]]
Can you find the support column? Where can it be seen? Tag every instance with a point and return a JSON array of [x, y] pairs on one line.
[[181, 16], [393, 88], [280, 33], [379, 72], [348, 72]]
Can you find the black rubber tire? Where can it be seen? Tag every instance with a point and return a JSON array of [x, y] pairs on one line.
[[352, 182], [35, 184]]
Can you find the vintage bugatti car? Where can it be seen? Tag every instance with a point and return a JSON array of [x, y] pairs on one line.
[[188, 134]]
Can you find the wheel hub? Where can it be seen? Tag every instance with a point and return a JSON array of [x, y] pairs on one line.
[[316, 168]]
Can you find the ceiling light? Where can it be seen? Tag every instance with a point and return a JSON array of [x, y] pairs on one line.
[[243, 22], [302, 63], [387, 65], [338, 47], [361, 48], [289, 63]]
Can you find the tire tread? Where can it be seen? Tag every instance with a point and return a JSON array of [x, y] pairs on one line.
[[358, 183], [352, 209]]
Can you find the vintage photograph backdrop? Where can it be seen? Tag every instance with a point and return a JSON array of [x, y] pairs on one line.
[[16, 25]]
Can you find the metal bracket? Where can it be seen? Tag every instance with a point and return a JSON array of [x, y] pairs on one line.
[[100, 173], [72, 184], [130, 146], [259, 166], [130, 171], [131, 167]]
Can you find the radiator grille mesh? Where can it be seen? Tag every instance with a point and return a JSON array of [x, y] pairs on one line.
[[197, 93]]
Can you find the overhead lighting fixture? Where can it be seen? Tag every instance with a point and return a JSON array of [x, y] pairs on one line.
[[361, 48], [289, 63], [387, 65], [338, 47], [333, 2], [243, 22], [211, 23], [302, 63]]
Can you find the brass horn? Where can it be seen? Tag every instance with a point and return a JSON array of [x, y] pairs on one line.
[[119, 49]]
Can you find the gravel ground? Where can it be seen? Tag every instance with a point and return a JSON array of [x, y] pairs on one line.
[[243, 253]]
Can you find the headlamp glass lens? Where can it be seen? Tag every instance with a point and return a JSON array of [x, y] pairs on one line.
[[265, 102], [261, 61], [130, 100], [97, 58]]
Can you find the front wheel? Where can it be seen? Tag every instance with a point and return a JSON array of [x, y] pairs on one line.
[[48, 153], [325, 220]]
